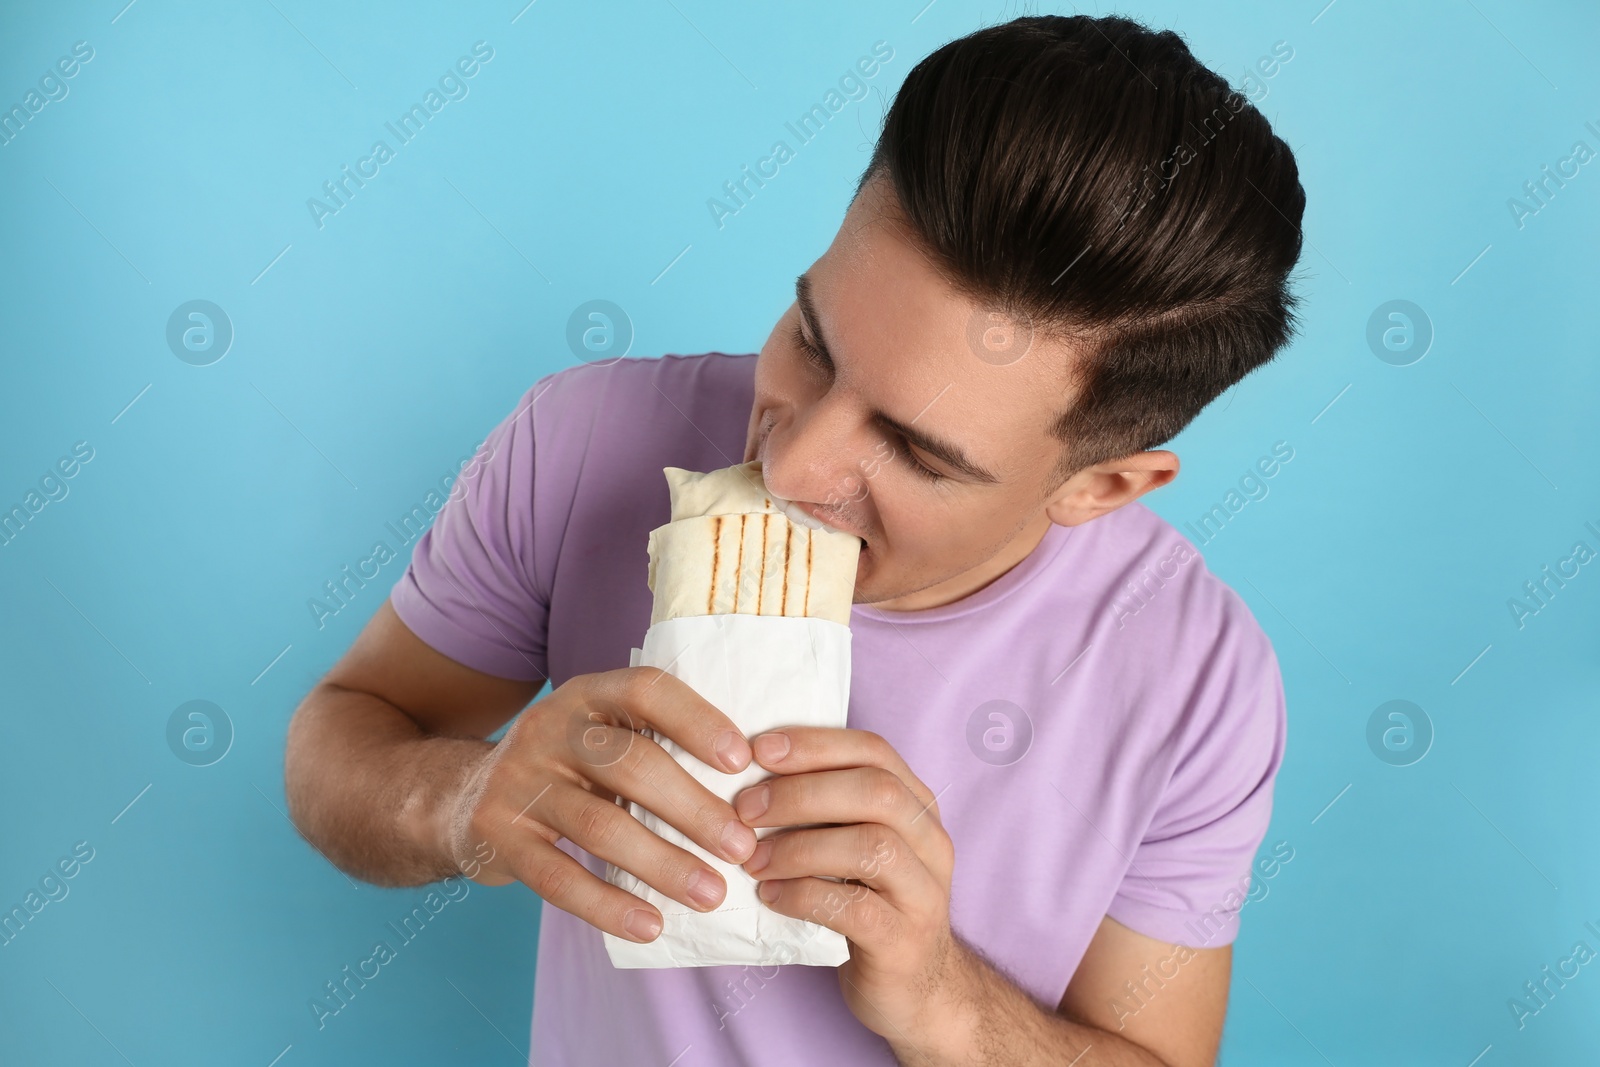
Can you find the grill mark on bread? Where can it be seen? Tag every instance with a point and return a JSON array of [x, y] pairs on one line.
[[807, 610], [788, 538], [716, 546], [738, 566], [761, 578]]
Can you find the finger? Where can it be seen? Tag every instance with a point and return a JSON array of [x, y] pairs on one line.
[[859, 913], [568, 885], [633, 766], [611, 833], [795, 749], [853, 795], [650, 698], [868, 853]]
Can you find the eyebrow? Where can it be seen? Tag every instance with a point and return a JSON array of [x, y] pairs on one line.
[[950, 453]]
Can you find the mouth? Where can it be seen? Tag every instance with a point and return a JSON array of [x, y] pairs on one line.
[[802, 514], [805, 514]]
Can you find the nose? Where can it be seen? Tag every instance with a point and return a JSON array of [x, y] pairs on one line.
[[815, 457]]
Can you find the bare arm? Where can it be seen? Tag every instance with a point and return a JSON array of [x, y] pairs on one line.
[[1133, 1002], [1170, 999], [378, 750], [388, 772]]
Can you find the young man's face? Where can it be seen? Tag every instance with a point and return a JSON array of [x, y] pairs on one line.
[[898, 338]]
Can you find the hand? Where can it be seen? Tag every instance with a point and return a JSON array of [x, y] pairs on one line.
[[557, 773], [895, 911]]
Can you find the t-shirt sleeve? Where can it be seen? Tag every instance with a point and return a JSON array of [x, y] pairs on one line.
[[1191, 872], [471, 590]]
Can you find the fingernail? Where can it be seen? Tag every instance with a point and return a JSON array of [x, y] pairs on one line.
[[752, 803], [732, 750], [768, 891], [759, 858], [770, 748], [705, 888], [641, 924], [737, 840]]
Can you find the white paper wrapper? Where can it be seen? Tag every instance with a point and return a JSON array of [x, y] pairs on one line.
[[763, 672]]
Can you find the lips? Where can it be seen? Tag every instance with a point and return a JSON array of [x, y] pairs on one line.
[[801, 513], [797, 513]]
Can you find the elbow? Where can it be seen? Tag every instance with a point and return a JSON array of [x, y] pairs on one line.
[[301, 748]]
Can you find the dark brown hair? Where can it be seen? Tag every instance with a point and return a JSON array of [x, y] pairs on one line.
[[1090, 179]]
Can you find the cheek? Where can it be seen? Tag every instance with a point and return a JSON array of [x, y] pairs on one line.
[[781, 378], [926, 531], [915, 529]]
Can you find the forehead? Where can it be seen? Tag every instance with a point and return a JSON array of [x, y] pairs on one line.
[[909, 344]]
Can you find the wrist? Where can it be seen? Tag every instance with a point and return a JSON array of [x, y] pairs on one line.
[[949, 1026], [442, 772]]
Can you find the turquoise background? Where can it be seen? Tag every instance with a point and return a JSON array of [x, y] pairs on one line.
[[371, 355]]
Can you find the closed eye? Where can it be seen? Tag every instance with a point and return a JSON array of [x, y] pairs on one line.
[[917, 465], [813, 355], [817, 359]]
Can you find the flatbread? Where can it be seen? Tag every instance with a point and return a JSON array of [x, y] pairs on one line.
[[737, 490], [729, 550]]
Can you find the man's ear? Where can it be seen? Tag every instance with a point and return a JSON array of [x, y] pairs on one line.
[[1107, 486]]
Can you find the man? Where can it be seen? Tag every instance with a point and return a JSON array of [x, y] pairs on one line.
[[1063, 730]]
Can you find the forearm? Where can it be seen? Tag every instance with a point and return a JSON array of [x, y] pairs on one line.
[[981, 1017], [372, 790]]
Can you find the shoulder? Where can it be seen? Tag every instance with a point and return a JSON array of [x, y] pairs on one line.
[[635, 381], [637, 413], [568, 412], [1216, 676], [1155, 582], [604, 431]]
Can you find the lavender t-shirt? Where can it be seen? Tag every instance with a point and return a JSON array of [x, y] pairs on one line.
[[1102, 723]]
